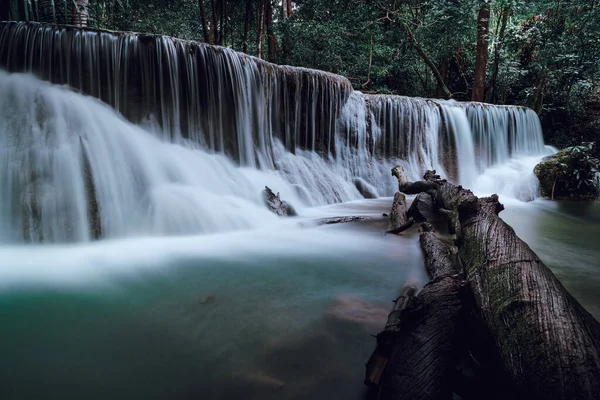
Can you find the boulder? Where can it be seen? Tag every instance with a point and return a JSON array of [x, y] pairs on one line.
[[278, 206], [572, 173], [365, 188]]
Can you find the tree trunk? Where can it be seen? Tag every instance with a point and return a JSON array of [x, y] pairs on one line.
[[439, 93], [287, 12], [548, 344], [247, 21], [271, 39], [259, 31], [214, 24], [223, 22], [537, 102], [424, 342], [429, 62], [284, 9], [481, 58], [208, 38], [80, 13], [491, 96]]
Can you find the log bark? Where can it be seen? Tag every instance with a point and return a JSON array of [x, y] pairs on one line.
[[424, 335], [549, 346], [398, 214]]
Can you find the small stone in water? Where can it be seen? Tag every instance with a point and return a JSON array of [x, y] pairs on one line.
[[210, 299]]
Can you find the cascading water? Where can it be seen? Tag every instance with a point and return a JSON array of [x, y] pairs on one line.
[[213, 128]]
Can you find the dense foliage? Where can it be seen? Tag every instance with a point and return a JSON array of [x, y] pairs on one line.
[[542, 54]]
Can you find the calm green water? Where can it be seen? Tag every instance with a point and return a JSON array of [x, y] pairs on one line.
[[131, 319], [233, 316]]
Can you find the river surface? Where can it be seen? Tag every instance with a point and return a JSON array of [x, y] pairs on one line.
[[278, 313]]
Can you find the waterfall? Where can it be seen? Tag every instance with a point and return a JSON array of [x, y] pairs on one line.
[[173, 137]]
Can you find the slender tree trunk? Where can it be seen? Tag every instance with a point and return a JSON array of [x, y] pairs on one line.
[[444, 73], [429, 62], [223, 19], [247, 21], [492, 90], [80, 13], [205, 27], [481, 58], [213, 29], [272, 40], [540, 91], [287, 12], [259, 31]]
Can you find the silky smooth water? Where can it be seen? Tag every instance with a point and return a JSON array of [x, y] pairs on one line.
[[130, 319], [194, 289]]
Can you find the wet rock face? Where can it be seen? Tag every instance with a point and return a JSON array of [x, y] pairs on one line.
[[572, 173], [278, 206]]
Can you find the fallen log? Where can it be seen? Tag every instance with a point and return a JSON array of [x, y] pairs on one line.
[[533, 338], [548, 344], [379, 359], [423, 336]]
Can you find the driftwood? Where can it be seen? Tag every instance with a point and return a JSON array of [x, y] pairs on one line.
[[276, 205], [536, 338], [341, 220]]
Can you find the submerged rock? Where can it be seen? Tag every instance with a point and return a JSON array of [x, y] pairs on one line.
[[262, 380], [572, 173], [278, 206], [354, 309], [209, 299], [365, 188]]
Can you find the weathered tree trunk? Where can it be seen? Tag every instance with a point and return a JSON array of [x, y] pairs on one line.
[[208, 38], [535, 339], [425, 335], [481, 58], [548, 344], [247, 21]]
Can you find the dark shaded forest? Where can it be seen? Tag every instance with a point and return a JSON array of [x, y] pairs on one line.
[[541, 54]]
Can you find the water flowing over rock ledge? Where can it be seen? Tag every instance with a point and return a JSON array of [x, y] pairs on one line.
[[305, 133]]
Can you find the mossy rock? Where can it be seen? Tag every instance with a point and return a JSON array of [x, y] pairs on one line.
[[572, 173]]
